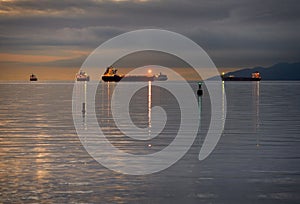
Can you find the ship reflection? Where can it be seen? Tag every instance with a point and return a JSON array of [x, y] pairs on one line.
[[80, 94], [256, 102], [140, 108], [149, 107], [223, 103], [105, 97]]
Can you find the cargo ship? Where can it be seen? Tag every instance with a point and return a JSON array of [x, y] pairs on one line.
[[82, 76], [255, 76], [110, 75], [33, 77], [161, 77]]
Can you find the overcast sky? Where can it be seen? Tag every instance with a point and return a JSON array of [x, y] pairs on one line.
[[235, 33]]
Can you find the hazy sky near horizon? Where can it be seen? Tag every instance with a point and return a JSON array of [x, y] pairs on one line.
[[62, 33]]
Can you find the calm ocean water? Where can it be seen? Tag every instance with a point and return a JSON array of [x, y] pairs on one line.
[[257, 159]]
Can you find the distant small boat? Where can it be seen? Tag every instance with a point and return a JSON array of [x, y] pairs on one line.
[[33, 77], [161, 77], [254, 77], [110, 75], [82, 76]]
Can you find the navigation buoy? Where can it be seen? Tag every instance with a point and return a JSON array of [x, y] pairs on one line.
[[200, 91]]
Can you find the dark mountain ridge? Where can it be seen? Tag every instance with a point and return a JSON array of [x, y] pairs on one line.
[[280, 71]]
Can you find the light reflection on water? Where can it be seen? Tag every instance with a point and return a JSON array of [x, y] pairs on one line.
[[256, 160]]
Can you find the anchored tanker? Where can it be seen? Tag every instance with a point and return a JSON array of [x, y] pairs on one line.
[[33, 77], [82, 76], [161, 77], [254, 77]]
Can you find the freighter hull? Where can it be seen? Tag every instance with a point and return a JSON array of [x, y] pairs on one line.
[[240, 79], [115, 78]]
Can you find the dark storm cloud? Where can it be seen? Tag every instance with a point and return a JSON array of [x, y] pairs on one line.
[[235, 33], [90, 13]]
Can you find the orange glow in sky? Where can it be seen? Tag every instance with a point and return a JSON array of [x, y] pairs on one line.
[[7, 57]]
